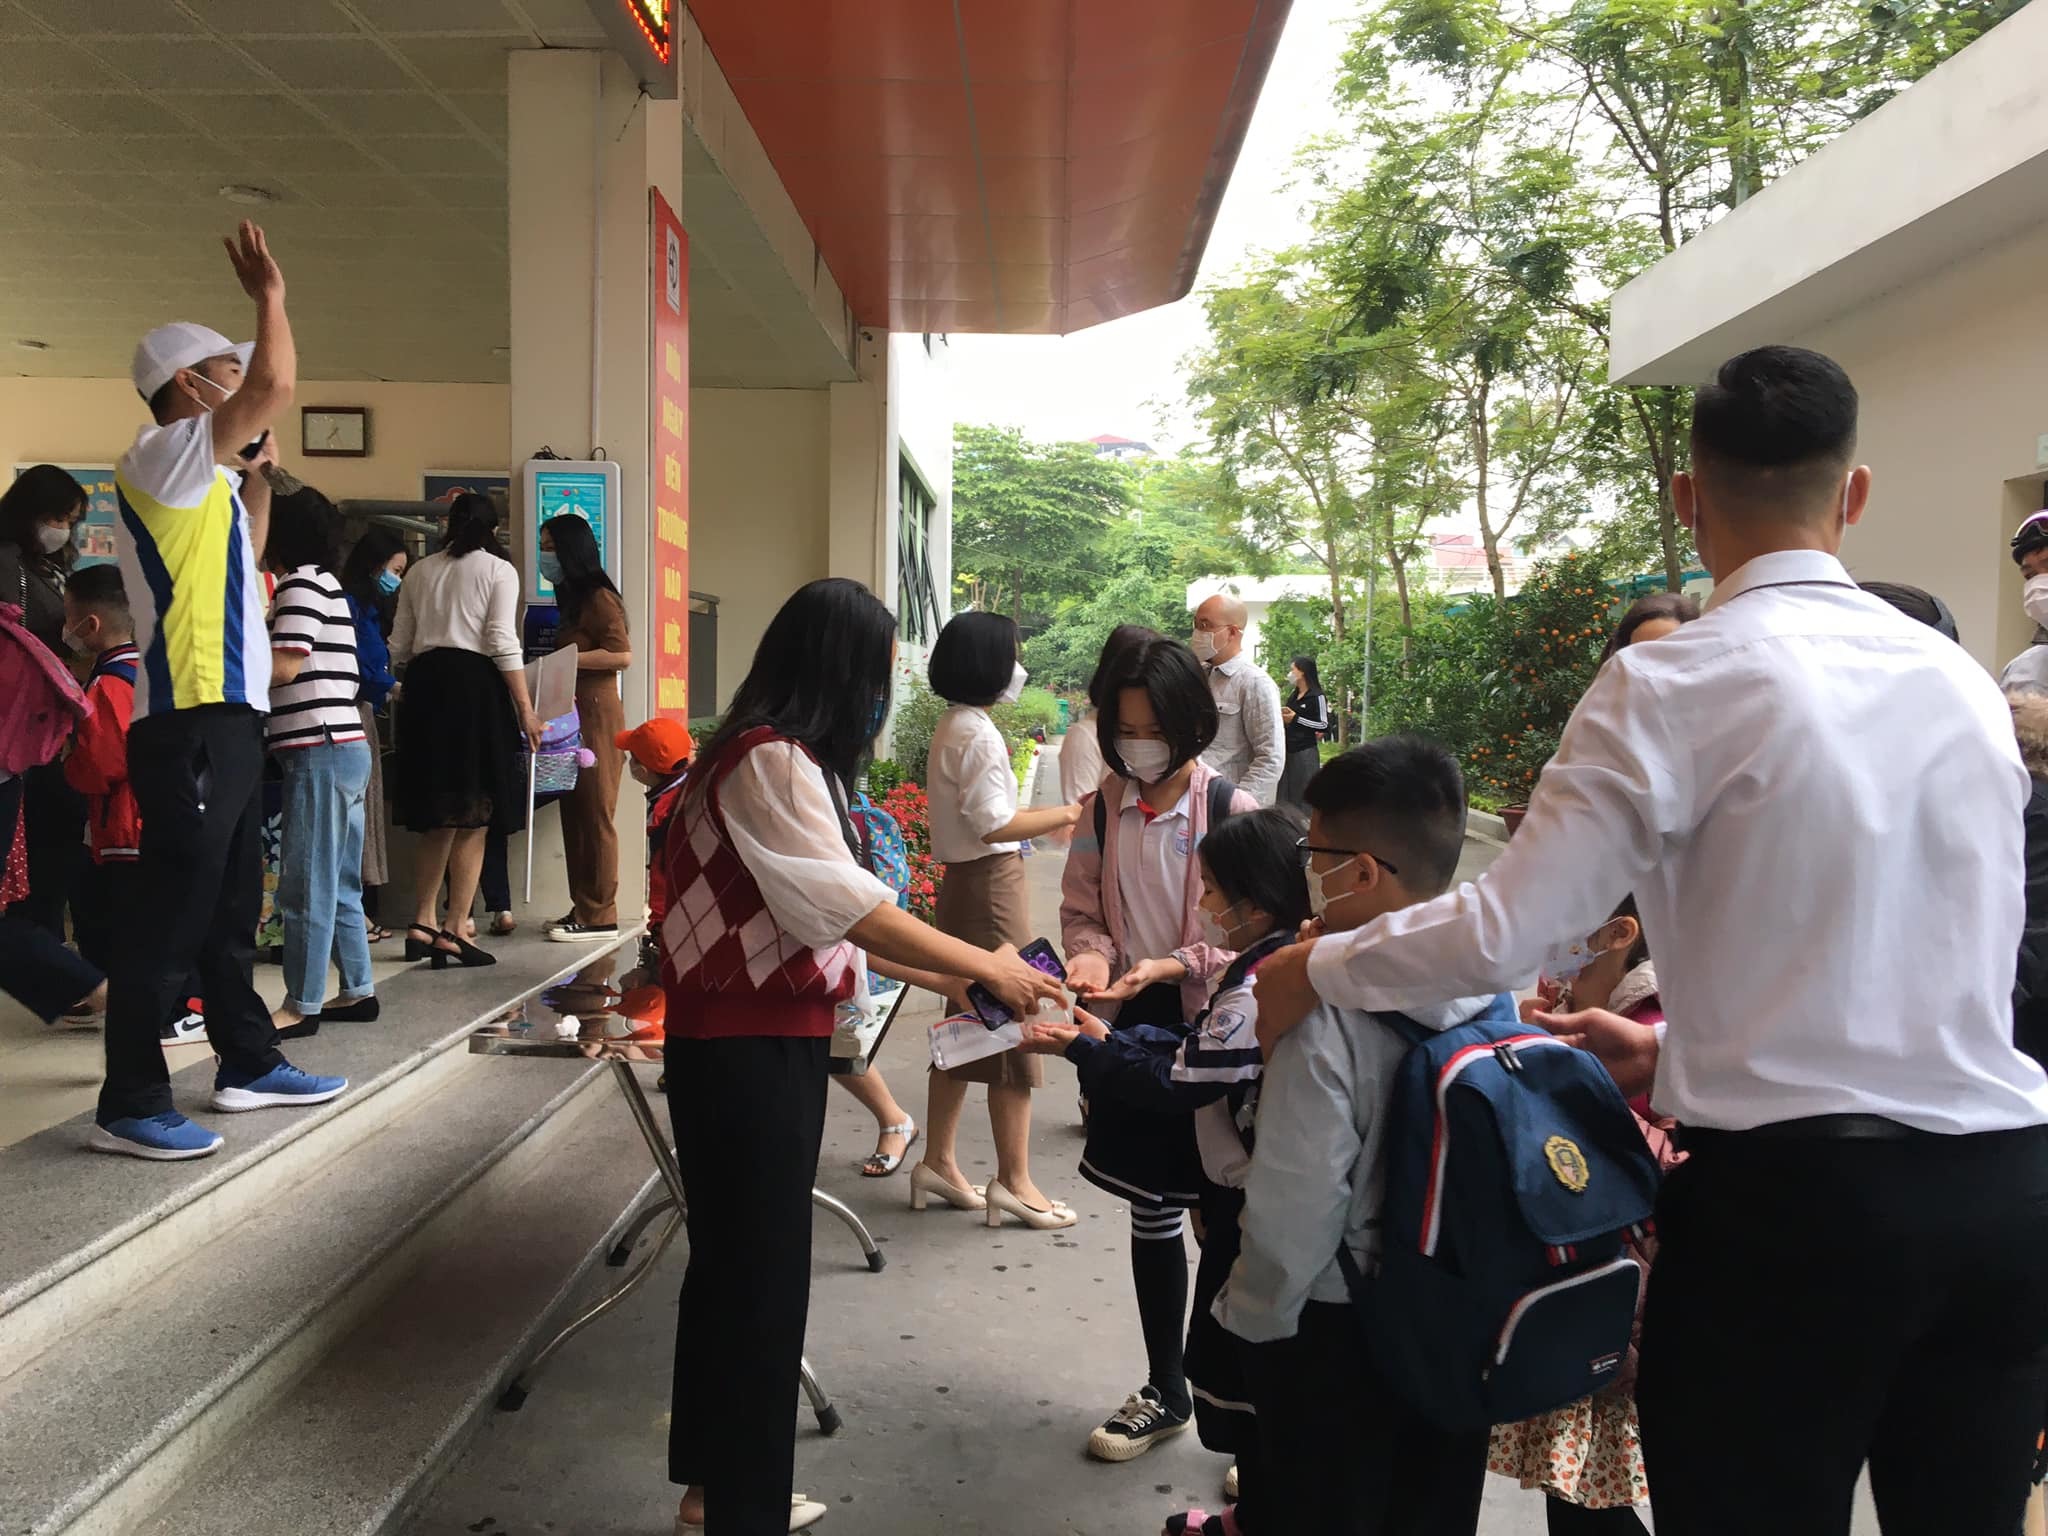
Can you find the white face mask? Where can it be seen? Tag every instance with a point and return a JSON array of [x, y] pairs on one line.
[[52, 539], [1319, 897], [1010, 694], [1216, 931], [226, 394], [1148, 761], [2034, 598], [1204, 646]]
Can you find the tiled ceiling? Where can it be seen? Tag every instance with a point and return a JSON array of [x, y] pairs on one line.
[[1000, 165]]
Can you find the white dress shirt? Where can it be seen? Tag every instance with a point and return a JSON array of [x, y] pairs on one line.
[[1081, 765], [460, 602], [786, 829], [1250, 748], [971, 788], [1152, 854], [1816, 802]]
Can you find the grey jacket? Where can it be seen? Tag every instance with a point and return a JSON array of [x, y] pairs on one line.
[[1318, 1174]]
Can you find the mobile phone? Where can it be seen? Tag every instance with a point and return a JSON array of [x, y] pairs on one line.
[[1038, 954], [255, 448]]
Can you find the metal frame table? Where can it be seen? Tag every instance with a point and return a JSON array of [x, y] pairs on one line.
[[515, 1034]]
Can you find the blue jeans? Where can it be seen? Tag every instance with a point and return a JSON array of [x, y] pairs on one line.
[[320, 878]]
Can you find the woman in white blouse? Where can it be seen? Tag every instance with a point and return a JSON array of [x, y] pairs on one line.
[[771, 908], [461, 713], [977, 833]]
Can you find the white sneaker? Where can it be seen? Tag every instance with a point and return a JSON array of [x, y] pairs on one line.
[[185, 1029]]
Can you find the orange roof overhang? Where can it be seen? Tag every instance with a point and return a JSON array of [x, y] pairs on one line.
[[1000, 165]]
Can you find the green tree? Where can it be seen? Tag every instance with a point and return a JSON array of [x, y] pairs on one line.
[[1029, 520]]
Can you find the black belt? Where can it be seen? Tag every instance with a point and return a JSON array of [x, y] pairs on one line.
[[1812, 1128]]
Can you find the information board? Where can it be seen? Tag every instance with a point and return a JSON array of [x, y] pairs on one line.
[[585, 488], [668, 463]]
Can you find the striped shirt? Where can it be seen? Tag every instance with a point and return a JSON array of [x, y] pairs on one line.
[[183, 545], [309, 617]]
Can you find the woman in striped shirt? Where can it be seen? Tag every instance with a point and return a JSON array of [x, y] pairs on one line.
[[316, 733]]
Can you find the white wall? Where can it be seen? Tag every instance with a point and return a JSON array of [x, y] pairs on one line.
[[1954, 381], [758, 500]]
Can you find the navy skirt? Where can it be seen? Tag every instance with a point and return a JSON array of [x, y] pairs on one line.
[[1142, 1154]]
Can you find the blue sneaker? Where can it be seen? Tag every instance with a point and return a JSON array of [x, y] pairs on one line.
[[282, 1084], [168, 1138]]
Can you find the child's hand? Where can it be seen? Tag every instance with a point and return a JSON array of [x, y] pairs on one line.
[[1285, 997], [1086, 1023], [1144, 974], [1046, 1038], [1088, 973]]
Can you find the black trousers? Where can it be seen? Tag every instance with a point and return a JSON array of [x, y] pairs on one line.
[[1344, 1456], [749, 1116], [494, 883], [100, 904], [198, 781], [55, 828], [36, 970], [1819, 1303]]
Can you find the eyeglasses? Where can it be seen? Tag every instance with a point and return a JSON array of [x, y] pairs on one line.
[[1309, 850]]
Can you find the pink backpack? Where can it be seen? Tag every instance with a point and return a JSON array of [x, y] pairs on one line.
[[40, 704]]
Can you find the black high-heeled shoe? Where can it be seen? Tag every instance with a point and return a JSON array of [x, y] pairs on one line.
[[465, 953], [419, 949]]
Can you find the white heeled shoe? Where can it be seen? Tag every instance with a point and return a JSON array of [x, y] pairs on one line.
[[924, 1184], [1002, 1203], [803, 1514]]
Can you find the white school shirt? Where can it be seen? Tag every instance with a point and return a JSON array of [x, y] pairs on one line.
[[1817, 803], [970, 786], [1152, 876]]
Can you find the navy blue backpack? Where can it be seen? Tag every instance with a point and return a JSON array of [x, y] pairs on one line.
[[1515, 1174]]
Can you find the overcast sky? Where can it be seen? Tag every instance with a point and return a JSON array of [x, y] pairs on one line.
[[1124, 377]]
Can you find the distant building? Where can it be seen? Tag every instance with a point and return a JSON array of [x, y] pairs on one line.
[[1122, 449]]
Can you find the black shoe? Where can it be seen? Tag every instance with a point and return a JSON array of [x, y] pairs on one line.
[[363, 1010], [307, 1027], [1142, 1422], [464, 954], [419, 949], [568, 931]]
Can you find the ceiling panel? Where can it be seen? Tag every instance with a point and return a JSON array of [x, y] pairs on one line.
[[270, 18], [73, 17], [331, 64]]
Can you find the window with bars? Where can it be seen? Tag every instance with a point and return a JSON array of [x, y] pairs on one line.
[[917, 595]]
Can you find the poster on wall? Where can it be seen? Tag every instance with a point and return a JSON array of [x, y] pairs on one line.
[[94, 536], [445, 485], [668, 472]]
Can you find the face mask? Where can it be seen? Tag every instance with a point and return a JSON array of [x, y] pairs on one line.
[[52, 539], [78, 643], [551, 567], [387, 581], [878, 715], [1204, 646], [1216, 931], [226, 394], [1563, 962], [1148, 761], [2035, 599], [1319, 897], [1010, 694]]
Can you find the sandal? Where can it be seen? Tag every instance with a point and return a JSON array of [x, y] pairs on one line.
[[881, 1164], [1199, 1522], [379, 933], [503, 926]]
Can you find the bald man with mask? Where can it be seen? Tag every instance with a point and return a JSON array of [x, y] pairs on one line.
[[1250, 747]]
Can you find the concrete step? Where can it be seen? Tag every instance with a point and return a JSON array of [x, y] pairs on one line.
[[82, 1232], [106, 1424], [351, 1448]]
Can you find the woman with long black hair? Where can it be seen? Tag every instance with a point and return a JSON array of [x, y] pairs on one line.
[[753, 980], [1306, 715], [594, 621], [461, 712]]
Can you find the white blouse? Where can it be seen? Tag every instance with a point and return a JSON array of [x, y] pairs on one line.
[[970, 784], [786, 829], [460, 602]]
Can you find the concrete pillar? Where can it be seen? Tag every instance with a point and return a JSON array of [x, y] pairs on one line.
[[863, 472], [585, 147]]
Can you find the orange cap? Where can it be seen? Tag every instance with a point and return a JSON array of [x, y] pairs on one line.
[[659, 745]]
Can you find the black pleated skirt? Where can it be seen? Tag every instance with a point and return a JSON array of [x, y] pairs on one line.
[[458, 747]]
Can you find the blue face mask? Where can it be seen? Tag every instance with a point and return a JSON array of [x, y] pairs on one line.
[[387, 581], [551, 567], [878, 717]]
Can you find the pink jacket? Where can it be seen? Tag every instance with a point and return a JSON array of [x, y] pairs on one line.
[[1091, 911]]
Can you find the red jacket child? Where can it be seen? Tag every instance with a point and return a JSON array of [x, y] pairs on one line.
[[98, 765]]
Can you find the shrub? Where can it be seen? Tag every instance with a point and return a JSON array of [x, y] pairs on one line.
[[917, 716], [907, 803], [883, 775]]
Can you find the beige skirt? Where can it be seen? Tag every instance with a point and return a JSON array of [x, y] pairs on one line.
[[982, 903]]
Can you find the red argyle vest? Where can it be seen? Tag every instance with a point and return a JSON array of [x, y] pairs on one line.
[[727, 966]]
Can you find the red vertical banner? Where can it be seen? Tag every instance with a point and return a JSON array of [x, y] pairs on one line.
[[669, 463]]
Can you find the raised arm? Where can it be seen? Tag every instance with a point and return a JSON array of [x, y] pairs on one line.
[[271, 377]]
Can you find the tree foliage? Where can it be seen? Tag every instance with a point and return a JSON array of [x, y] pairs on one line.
[[1029, 520]]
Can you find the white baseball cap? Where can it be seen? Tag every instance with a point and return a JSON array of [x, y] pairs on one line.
[[181, 344]]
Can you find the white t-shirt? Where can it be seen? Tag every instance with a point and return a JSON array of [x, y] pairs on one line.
[[971, 787]]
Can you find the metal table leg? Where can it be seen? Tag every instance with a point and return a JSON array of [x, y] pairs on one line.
[[622, 1250], [859, 1228]]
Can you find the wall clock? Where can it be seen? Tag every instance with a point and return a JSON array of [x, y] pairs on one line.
[[335, 431]]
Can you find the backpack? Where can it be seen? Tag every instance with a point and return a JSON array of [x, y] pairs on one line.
[[1221, 793], [1515, 1175], [882, 849], [40, 702]]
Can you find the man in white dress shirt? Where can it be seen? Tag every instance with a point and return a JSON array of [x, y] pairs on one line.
[[1250, 747], [1816, 802]]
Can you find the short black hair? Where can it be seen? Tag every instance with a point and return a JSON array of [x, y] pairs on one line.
[[1916, 603], [1774, 431], [1252, 858], [973, 657], [304, 530], [160, 402], [1676, 606], [99, 589], [1121, 639], [1173, 681], [1397, 797]]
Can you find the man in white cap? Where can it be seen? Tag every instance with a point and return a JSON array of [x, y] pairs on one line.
[[189, 543]]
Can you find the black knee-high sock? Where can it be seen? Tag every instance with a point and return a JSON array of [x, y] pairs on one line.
[[1159, 1272]]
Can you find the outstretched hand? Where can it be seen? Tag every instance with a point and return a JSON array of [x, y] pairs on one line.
[[255, 268], [1144, 974], [1017, 985], [1627, 1049]]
